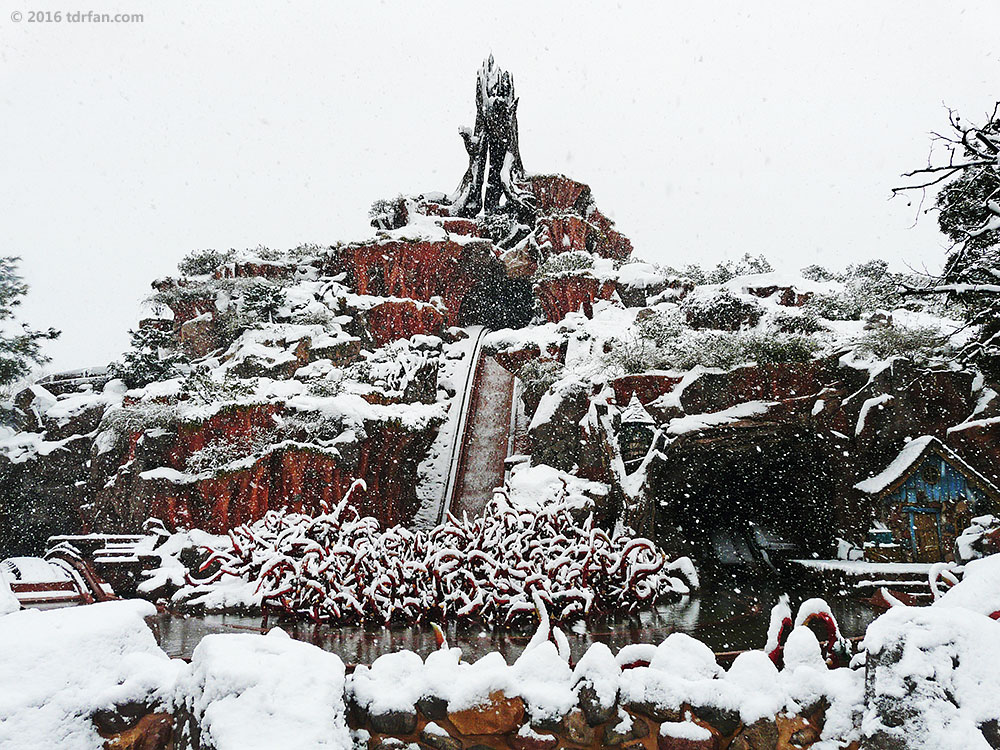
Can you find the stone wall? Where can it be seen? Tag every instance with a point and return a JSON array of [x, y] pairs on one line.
[[503, 724]]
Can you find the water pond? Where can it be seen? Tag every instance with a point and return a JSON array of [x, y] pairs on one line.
[[727, 618]]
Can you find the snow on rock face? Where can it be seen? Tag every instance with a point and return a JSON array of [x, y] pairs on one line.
[[248, 691], [58, 667], [933, 675]]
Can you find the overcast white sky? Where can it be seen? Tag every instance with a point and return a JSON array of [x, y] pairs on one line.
[[705, 132]]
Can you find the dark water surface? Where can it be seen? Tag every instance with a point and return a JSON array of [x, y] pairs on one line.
[[727, 618]]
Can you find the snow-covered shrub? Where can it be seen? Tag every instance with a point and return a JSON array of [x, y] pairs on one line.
[[137, 418], [501, 226], [312, 426], [726, 350], [537, 376], [722, 310], [397, 368], [203, 262], [199, 387], [920, 343], [339, 567], [332, 384], [833, 307], [565, 264], [814, 272], [805, 323], [253, 303], [261, 300], [388, 213]]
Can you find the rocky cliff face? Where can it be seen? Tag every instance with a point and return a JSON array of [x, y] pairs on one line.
[[268, 379]]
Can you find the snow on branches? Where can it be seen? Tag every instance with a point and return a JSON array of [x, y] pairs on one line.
[[339, 567]]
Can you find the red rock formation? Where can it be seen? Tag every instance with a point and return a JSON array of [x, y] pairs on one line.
[[717, 391], [563, 233], [294, 476], [607, 242], [400, 319], [419, 269], [235, 425], [646, 386], [463, 227], [559, 193], [189, 309], [565, 294]]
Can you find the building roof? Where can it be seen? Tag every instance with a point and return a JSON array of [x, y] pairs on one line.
[[635, 413], [910, 457]]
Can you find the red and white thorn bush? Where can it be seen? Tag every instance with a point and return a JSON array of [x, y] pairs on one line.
[[339, 567]]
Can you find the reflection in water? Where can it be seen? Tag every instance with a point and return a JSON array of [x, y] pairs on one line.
[[726, 619]]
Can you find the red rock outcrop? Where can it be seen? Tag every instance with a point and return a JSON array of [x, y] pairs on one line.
[[290, 475], [562, 233], [419, 270], [607, 242], [562, 295], [646, 386], [557, 192], [399, 319]]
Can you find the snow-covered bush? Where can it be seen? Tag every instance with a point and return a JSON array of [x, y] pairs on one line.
[[537, 376], [919, 343], [565, 264], [815, 272], [805, 323], [200, 387], [137, 418], [203, 262], [722, 310], [339, 567], [720, 349], [833, 307]]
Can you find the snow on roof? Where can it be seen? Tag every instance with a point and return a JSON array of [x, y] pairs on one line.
[[909, 457], [635, 412]]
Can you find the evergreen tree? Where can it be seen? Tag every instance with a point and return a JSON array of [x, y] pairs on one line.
[[153, 356], [19, 349]]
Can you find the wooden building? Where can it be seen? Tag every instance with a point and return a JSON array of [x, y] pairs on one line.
[[922, 501]]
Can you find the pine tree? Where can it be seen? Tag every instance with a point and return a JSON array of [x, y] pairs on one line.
[[20, 349], [153, 356]]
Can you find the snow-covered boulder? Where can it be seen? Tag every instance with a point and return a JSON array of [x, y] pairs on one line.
[[932, 677], [59, 667], [248, 691]]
